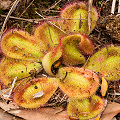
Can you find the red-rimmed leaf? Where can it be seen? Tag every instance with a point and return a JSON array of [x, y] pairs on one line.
[[48, 35], [77, 17], [24, 93], [73, 46], [85, 108], [11, 68], [107, 62], [51, 57], [20, 45], [77, 82]]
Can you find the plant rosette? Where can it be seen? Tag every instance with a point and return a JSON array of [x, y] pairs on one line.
[[53, 43]]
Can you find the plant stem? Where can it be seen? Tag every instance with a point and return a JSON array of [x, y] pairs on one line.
[[89, 14], [113, 6]]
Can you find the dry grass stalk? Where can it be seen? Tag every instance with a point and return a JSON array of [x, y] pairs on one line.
[[113, 6], [89, 14], [9, 13]]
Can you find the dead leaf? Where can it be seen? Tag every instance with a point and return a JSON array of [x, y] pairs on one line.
[[111, 110], [41, 114], [5, 4], [104, 86], [49, 113], [36, 114], [5, 116], [7, 107], [0, 86]]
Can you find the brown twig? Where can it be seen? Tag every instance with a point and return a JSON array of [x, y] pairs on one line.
[[52, 6], [86, 62], [6, 91], [51, 23], [113, 6], [26, 8], [119, 7], [13, 84], [28, 20], [37, 20], [57, 11], [72, 19], [89, 14], [9, 13]]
